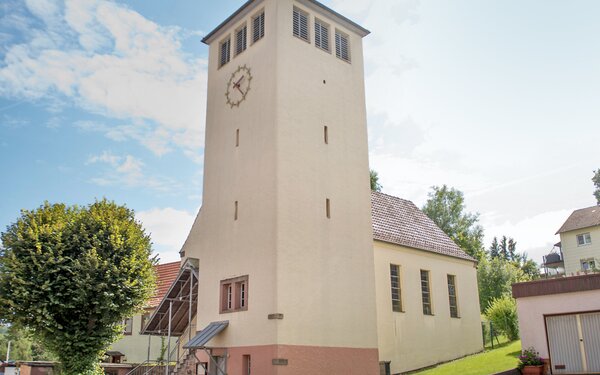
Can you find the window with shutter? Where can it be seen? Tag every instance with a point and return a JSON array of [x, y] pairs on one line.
[[342, 46], [224, 52], [258, 27], [240, 40], [321, 35], [300, 24]]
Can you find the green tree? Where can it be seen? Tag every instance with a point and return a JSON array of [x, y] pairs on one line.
[[502, 312], [596, 181], [22, 346], [529, 267], [446, 207], [495, 278], [71, 275], [506, 249], [375, 186]]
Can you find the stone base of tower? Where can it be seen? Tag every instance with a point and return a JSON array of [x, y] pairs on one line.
[[298, 360]]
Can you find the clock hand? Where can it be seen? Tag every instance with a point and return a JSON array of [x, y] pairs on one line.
[[240, 81], [238, 87]]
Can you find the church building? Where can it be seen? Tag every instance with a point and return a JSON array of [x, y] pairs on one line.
[[293, 266]]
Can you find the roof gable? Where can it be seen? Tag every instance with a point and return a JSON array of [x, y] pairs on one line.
[[582, 218], [400, 222]]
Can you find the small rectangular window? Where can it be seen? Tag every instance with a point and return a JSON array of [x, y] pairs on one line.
[[258, 27], [452, 296], [234, 294], [342, 46], [145, 319], [321, 35], [235, 213], [325, 135], [242, 289], [240, 40], [247, 365], [584, 239], [300, 24], [237, 137], [224, 52], [327, 208], [128, 329], [395, 283], [229, 296], [426, 293], [588, 264]]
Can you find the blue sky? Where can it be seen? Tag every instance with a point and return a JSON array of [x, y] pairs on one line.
[[500, 99]]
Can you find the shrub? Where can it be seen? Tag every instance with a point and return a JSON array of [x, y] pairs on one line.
[[502, 312]]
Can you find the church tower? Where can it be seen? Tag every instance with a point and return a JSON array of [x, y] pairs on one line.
[[284, 237]]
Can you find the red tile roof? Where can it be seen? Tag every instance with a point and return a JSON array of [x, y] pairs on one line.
[[165, 275], [400, 222]]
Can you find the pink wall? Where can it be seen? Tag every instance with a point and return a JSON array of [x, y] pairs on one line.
[[531, 312], [303, 360]]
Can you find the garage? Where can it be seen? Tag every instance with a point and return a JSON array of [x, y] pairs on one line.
[[574, 343], [560, 319]]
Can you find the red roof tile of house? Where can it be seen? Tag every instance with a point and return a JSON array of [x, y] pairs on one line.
[[165, 275], [400, 222]]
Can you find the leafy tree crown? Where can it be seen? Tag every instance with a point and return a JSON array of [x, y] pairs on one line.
[[71, 275]]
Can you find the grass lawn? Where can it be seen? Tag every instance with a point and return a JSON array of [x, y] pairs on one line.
[[501, 358]]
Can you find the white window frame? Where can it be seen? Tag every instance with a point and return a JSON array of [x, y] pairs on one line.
[[299, 35], [339, 37], [242, 293], [261, 26], [586, 239], [321, 28], [590, 262]]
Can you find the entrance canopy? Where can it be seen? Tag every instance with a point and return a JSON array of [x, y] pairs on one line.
[[176, 310], [199, 341]]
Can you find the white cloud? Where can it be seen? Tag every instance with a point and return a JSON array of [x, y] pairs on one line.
[[108, 59], [128, 171], [105, 157], [168, 229]]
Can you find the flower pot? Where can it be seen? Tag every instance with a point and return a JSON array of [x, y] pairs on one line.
[[533, 370]]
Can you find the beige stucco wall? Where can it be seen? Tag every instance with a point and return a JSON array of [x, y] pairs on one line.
[[135, 346], [312, 269], [410, 339], [531, 312], [225, 247], [325, 278], [573, 254]]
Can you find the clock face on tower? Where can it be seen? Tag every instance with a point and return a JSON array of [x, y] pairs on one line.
[[238, 86]]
